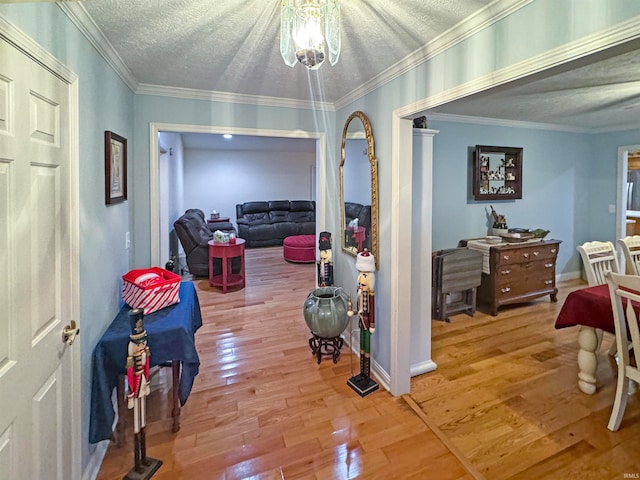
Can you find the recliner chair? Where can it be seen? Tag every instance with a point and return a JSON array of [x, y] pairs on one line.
[[194, 234]]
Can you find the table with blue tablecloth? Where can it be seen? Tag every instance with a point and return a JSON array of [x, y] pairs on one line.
[[171, 339]]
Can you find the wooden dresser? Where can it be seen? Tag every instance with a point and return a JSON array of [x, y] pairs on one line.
[[519, 273]]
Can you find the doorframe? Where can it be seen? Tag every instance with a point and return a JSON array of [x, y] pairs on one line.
[[24, 43], [621, 197], [154, 193]]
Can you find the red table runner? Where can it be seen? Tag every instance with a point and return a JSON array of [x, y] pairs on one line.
[[591, 307]]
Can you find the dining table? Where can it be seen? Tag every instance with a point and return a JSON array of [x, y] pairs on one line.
[[590, 309]]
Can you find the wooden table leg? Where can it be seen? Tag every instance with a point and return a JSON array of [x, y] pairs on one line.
[[225, 273], [175, 412], [587, 359]]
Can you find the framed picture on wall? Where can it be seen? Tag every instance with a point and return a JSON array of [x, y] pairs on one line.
[[115, 168], [497, 173]]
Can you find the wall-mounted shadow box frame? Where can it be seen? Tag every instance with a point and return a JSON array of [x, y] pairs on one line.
[[497, 173]]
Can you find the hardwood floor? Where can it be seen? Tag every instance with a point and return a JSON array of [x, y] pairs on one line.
[[262, 408], [504, 397], [505, 394]]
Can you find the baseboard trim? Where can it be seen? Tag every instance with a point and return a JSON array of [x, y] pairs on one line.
[[95, 460], [423, 367]]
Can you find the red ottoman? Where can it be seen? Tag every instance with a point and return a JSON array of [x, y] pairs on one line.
[[300, 248]]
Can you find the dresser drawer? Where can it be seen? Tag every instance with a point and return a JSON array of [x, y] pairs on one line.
[[520, 278], [539, 252], [512, 255]]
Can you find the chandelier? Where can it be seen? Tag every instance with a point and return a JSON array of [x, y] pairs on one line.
[[306, 27]]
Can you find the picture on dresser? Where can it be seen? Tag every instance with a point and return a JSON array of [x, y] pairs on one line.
[[497, 173]]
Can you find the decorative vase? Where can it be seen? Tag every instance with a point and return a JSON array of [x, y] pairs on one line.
[[325, 313]]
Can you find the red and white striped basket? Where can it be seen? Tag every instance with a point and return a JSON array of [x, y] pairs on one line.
[[150, 289]]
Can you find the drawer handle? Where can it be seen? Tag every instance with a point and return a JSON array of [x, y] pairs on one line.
[[536, 253], [505, 257], [505, 290], [548, 265], [525, 255], [553, 250], [548, 282], [505, 272]]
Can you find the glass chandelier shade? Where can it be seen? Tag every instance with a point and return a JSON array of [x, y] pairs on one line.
[[309, 28]]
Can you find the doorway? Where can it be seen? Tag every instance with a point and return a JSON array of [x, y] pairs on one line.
[[623, 228], [155, 180]]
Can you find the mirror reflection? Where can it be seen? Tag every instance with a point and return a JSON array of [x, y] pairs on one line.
[[358, 186]]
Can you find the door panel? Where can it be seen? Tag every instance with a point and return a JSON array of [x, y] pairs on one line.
[[35, 285]]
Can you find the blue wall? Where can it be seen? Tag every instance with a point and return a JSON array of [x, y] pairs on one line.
[[553, 182]]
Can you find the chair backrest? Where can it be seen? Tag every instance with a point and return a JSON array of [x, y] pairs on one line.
[[624, 291], [631, 250], [598, 258]]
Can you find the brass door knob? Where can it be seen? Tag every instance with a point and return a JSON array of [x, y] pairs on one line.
[[69, 333]]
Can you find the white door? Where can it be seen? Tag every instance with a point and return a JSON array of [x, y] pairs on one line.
[[35, 271]]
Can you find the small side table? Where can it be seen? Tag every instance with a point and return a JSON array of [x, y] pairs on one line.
[[216, 220], [359, 235], [226, 251]]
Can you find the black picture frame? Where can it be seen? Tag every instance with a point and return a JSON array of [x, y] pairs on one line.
[[115, 168], [497, 173]]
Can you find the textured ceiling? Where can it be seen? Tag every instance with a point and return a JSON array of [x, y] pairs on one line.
[[232, 46]]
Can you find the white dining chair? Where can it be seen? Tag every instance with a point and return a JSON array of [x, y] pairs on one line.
[[599, 258], [631, 249], [625, 319]]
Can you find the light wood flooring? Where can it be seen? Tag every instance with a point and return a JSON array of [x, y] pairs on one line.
[[505, 394], [262, 408]]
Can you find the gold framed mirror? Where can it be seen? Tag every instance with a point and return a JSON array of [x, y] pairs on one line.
[[358, 187]]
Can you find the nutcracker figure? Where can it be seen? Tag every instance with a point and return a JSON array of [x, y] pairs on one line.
[[325, 264], [362, 383], [138, 362]]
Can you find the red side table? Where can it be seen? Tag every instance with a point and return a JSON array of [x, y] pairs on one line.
[[226, 251], [359, 234]]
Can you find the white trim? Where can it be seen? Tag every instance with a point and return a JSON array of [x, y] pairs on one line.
[[384, 380], [226, 97], [400, 254], [35, 51], [621, 183], [499, 122], [423, 367], [84, 22], [95, 461], [563, 277], [468, 27], [596, 42], [156, 128]]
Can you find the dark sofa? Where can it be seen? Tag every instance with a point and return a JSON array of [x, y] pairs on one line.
[[363, 214], [265, 224], [194, 234]]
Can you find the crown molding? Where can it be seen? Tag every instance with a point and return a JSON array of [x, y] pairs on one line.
[[468, 27], [213, 96], [594, 43], [83, 21], [500, 122]]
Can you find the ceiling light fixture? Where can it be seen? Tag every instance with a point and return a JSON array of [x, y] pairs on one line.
[[305, 27]]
